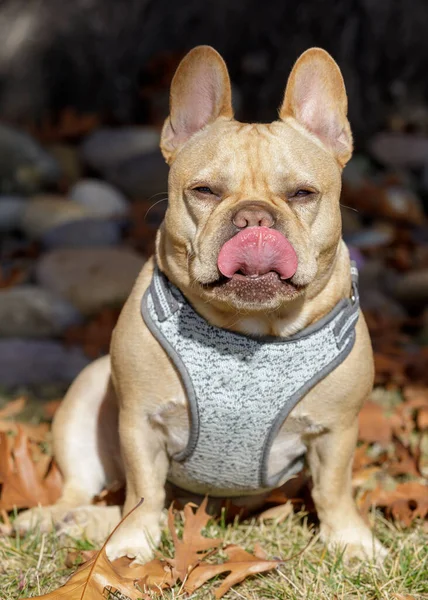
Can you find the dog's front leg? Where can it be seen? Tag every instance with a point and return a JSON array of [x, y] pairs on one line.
[[146, 466], [330, 459]]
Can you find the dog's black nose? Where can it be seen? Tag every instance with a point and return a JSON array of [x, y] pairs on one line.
[[253, 215]]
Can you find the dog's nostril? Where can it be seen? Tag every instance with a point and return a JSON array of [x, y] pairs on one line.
[[248, 217]]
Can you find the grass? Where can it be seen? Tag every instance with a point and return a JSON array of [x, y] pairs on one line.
[[34, 564]]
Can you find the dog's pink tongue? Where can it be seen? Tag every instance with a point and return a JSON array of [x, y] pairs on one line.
[[255, 251]]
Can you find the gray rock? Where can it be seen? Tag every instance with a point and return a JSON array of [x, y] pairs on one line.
[[370, 238], [28, 362], [107, 148], [25, 167], [357, 171], [378, 302], [69, 161], [90, 278], [11, 211], [400, 150], [31, 311], [141, 176], [83, 233], [99, 198], [374, 275], [43, 213], [411, 289]]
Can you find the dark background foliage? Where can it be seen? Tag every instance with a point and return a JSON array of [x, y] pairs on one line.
[[96, 54]]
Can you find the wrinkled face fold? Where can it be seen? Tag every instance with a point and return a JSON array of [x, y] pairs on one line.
[[253, 209]]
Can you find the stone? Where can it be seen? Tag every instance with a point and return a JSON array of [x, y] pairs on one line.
[[411, 289], [69, 161], [90, 278], [11, 211], [25, 167], [31, 311], [143, 176], [83, 233], [106, 148], [43, 213], [28, 362], [357, 171], [380, 303], [99, 198], [400, 150], [370, 238]]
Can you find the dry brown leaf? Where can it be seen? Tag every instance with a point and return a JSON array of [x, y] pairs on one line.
[[374, 425], [277, 513], [50, 408], [403, 462], [405, 503], [37, 433], [13, 408], [241, 564], [362, 476], [94, 577], [422, 419], [23, 485], [193, 546], [76, 558]]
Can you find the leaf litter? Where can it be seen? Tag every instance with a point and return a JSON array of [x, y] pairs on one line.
[[390, 473], [98, 575]]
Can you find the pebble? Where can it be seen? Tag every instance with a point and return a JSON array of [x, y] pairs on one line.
[[400, 150], [378, 302], [83, 233], [411, 289], [357, 171], [25, 167], [90, 278], [69, 161], [31, 311], [43, 213], [28, 362], [143, 176], [108, 147], [370, 238], [11, 211], [99, 198]]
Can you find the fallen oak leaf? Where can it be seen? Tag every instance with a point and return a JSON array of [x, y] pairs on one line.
[[13, 408], [405, 503], [422, 418], [374, 425], [37, 433], [277, 513], [23, 486], [240, 565], [193, 546], [95, 576]]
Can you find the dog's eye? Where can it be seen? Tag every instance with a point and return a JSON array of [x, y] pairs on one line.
[[203, 189], [301, 194]]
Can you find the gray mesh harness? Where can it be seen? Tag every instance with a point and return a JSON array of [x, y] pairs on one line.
[[240, 388]]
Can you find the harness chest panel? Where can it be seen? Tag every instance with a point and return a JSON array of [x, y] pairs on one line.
[[241, 389]]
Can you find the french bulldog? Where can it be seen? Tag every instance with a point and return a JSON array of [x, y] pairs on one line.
[[241, 349]]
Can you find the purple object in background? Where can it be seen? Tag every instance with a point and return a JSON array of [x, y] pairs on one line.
[[356, 255]]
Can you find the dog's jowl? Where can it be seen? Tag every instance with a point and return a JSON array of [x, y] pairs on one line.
[[241, 352]]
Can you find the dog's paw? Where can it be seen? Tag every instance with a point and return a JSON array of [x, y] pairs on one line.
[[95, 522], [138, 543], [356, 542]]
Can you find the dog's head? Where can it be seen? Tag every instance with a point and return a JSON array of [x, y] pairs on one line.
[[253, 218]]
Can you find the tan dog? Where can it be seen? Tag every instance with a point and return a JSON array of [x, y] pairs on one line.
[[125, 416]]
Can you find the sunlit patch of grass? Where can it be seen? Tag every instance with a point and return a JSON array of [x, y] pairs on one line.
[[34, 564]]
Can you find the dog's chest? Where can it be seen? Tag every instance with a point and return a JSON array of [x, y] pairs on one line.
[[241, 429], [173, 417]]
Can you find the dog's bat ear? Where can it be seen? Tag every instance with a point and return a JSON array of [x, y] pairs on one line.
[[200, 93], [315, 97]]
